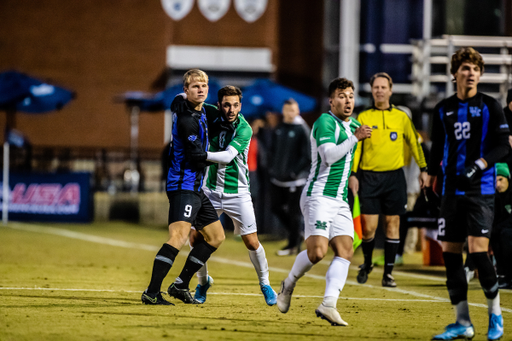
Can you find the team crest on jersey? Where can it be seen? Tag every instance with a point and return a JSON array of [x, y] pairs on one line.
[[222, 139], [393, 136], [475, 111], [192, 138]]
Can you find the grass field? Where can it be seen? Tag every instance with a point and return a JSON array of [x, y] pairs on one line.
[[83, 282]]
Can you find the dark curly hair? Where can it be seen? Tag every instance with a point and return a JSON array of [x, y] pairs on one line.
[[340, 83], [229, 90], [466, 54]]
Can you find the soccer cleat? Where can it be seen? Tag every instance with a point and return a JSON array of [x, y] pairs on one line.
[[200, 294], [182, 294], [269, 294], [364, 271], [388, 281], [330, 314], [495, 331], [456, 331], [284, 298], [154, 299]]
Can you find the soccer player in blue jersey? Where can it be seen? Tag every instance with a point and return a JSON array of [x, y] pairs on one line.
[[188, 203], [469, 135]]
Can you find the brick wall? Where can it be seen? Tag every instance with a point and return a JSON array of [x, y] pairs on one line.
[[97, 48]]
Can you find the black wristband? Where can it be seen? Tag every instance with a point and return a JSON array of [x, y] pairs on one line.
[[424, 169]]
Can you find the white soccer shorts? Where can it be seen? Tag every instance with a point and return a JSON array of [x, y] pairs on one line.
[[326, 216], [236, 206]]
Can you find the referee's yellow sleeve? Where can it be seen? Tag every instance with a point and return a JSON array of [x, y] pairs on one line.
[[413, 141]]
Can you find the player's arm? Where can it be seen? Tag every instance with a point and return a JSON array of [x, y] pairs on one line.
[[237, 145], [413, 141], [224, 157], [179, 103], [500, 129], [331, 152]]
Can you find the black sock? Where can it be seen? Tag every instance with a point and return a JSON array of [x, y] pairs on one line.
[[390, 248], [368, 246], [161, 266], [455, 277], [486, 273], [196, 259]]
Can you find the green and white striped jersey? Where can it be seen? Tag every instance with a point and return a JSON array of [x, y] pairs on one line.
[[330, 180], [233, 177]]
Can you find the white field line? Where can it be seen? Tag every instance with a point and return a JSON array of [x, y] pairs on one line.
[[130, 245]]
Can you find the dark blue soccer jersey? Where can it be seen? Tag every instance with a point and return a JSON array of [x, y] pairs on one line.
[[189, 138], [464, 131]]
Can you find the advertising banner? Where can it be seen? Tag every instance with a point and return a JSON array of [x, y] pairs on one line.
[[63, 197]]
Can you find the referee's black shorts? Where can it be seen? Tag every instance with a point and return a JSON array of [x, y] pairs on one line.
[[192, 207], [383, 192], [461, 216]]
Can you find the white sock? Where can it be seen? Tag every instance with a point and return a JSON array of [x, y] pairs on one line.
[[494, 305], [259, 260], [300, 267], [202, 274], [330, 301], [462, 313], [335, 278]]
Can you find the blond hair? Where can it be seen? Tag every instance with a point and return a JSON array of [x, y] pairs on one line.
[[199, 75]]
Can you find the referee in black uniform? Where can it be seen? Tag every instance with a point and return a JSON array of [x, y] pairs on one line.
[[469, 135]]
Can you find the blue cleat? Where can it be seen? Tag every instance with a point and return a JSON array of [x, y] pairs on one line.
[[269, 294], [495, 327], [456, 331], [200, 294]]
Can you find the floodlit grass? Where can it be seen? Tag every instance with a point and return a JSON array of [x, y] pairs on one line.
[[58, 283]]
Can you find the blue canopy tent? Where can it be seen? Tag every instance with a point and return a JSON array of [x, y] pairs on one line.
[[265, 95], [20, 92]]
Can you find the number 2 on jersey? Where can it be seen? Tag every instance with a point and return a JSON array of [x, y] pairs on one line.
[[462, 130]]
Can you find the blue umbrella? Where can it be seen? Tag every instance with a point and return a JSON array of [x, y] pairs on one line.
[[265, 95], [19, 92], [162, 100]]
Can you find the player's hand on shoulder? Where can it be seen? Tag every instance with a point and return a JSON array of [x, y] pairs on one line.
[[179, 103], [363, 132]]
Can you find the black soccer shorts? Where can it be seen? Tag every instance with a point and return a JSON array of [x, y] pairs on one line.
[[383, 192], [461, 216], [192, 207]]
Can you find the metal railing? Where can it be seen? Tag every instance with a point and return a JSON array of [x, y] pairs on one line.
[[428, 53]]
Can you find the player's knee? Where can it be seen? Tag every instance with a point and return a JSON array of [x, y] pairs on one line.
[[346, 253], [251, 243], [316, 255]]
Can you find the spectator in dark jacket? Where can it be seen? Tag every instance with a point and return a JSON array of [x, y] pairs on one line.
[[290, 159]]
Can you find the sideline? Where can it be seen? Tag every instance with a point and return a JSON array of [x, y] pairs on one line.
[[147, 247]]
